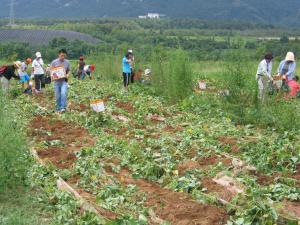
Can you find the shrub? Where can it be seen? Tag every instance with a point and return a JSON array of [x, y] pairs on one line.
[[171, 74]]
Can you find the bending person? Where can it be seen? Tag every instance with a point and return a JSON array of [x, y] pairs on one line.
[[264, 75]]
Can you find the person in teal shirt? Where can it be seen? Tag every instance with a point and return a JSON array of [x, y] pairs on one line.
[[126, 69]]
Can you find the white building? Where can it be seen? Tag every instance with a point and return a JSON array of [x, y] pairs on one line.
[[151, 16]]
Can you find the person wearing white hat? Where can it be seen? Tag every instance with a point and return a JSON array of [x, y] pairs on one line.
[[6, 73], [38, 72], [287, 67]]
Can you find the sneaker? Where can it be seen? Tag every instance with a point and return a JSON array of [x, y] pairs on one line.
[[62, 110]]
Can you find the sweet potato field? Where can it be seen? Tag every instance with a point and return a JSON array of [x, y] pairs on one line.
[[146, 161]]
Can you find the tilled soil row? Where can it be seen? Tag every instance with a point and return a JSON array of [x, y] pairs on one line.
[[178, 208]]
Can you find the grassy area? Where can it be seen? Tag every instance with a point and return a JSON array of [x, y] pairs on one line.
[[18, 203], [21, 207]]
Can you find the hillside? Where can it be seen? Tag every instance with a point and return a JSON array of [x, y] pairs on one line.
[[268, 11]]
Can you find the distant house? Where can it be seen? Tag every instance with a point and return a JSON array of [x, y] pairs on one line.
[[151, 16]]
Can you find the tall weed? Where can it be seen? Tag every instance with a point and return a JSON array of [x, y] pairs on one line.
[[171, 74]]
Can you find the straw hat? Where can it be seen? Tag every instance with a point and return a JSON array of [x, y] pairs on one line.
[[18, 64], [290, 57]]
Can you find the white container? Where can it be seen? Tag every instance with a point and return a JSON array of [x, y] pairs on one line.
[[202, 85], [97, 105]]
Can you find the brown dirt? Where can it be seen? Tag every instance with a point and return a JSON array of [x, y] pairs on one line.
[[121, 133], [187, 165], [213, 160], [296, 176], [231, 141], [78, 107], [262, 179], [125, 106], [171, 129], [72, 140], [220, 191], [202, 163], [293, 207], [174, 207]]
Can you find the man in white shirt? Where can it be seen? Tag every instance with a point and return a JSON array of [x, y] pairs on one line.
[[38, 72], [264, 75]]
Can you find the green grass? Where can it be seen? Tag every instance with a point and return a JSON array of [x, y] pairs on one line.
[[20, 207]]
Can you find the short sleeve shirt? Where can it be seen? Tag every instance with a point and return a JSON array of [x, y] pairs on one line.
[[59, 63], [37, 65]]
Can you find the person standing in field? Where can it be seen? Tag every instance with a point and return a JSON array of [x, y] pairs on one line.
[[61, 85], [80, 68], [126, 70], [6, 73], [130, 51], [38, 72], [264, 75], [22, 71]]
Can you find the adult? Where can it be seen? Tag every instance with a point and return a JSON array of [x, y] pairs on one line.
[[80, 68], [287, 67], [61, 85], [126, 70], [130, 51], [264, 75], [38, 72], [8, 72], [22, 71]]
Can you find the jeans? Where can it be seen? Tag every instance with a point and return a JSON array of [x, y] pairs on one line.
[[61, 94], [39, 80], [126, 79]]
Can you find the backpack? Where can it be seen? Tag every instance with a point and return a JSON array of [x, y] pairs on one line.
[[3, 69]]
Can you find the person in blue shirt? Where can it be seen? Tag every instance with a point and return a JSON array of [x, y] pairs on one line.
[[287, 67], [126, 69]]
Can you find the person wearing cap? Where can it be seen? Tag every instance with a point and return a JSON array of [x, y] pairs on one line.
[[8, 72], [80, 68], [22, 71], [264, 75], [38, 72], [130, 51], [61, 85]]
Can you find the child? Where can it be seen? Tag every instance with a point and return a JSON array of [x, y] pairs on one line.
[[80, 68], [126, 61], [22, 71], [294, 87], [88, 70]]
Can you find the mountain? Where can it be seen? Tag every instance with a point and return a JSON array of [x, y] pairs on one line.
[[266, 11]]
